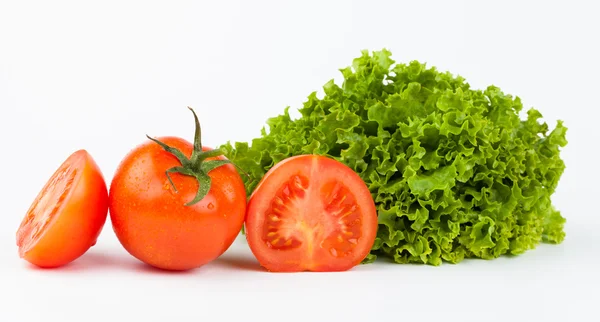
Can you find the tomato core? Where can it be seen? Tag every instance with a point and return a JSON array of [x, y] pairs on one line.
[[298, 216]]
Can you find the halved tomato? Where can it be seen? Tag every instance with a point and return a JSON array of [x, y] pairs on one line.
[[66, 217], [310, 213]]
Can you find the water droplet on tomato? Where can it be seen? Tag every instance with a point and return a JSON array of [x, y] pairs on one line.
[[334, 252], [210, 205]]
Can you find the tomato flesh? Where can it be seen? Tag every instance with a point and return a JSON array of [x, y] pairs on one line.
[[66, 217], [311, 213], [44, 209]]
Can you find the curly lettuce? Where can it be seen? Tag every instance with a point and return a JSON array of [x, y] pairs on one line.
[[455, 172]]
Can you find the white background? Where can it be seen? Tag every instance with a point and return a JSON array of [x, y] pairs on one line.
[[101, 75]]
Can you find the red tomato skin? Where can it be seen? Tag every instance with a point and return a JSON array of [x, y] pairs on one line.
[[150, 218], [300, 259], [77, 223]]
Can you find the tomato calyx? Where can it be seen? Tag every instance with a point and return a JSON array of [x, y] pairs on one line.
[[197, 165]]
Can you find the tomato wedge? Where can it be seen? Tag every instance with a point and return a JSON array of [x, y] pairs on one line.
[[66, 217], [310, 213]]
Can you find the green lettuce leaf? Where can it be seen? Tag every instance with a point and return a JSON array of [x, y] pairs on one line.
[[454, 172]]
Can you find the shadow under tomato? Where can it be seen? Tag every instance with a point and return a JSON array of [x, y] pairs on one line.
[[91, 260], [235, 262], [149, 269], [94, 261], [97, 260]]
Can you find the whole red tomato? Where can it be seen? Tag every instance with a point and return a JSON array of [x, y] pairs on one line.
[[174, 205]]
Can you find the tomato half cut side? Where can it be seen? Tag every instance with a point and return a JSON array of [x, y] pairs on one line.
[[310, 213], [67, 216]]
